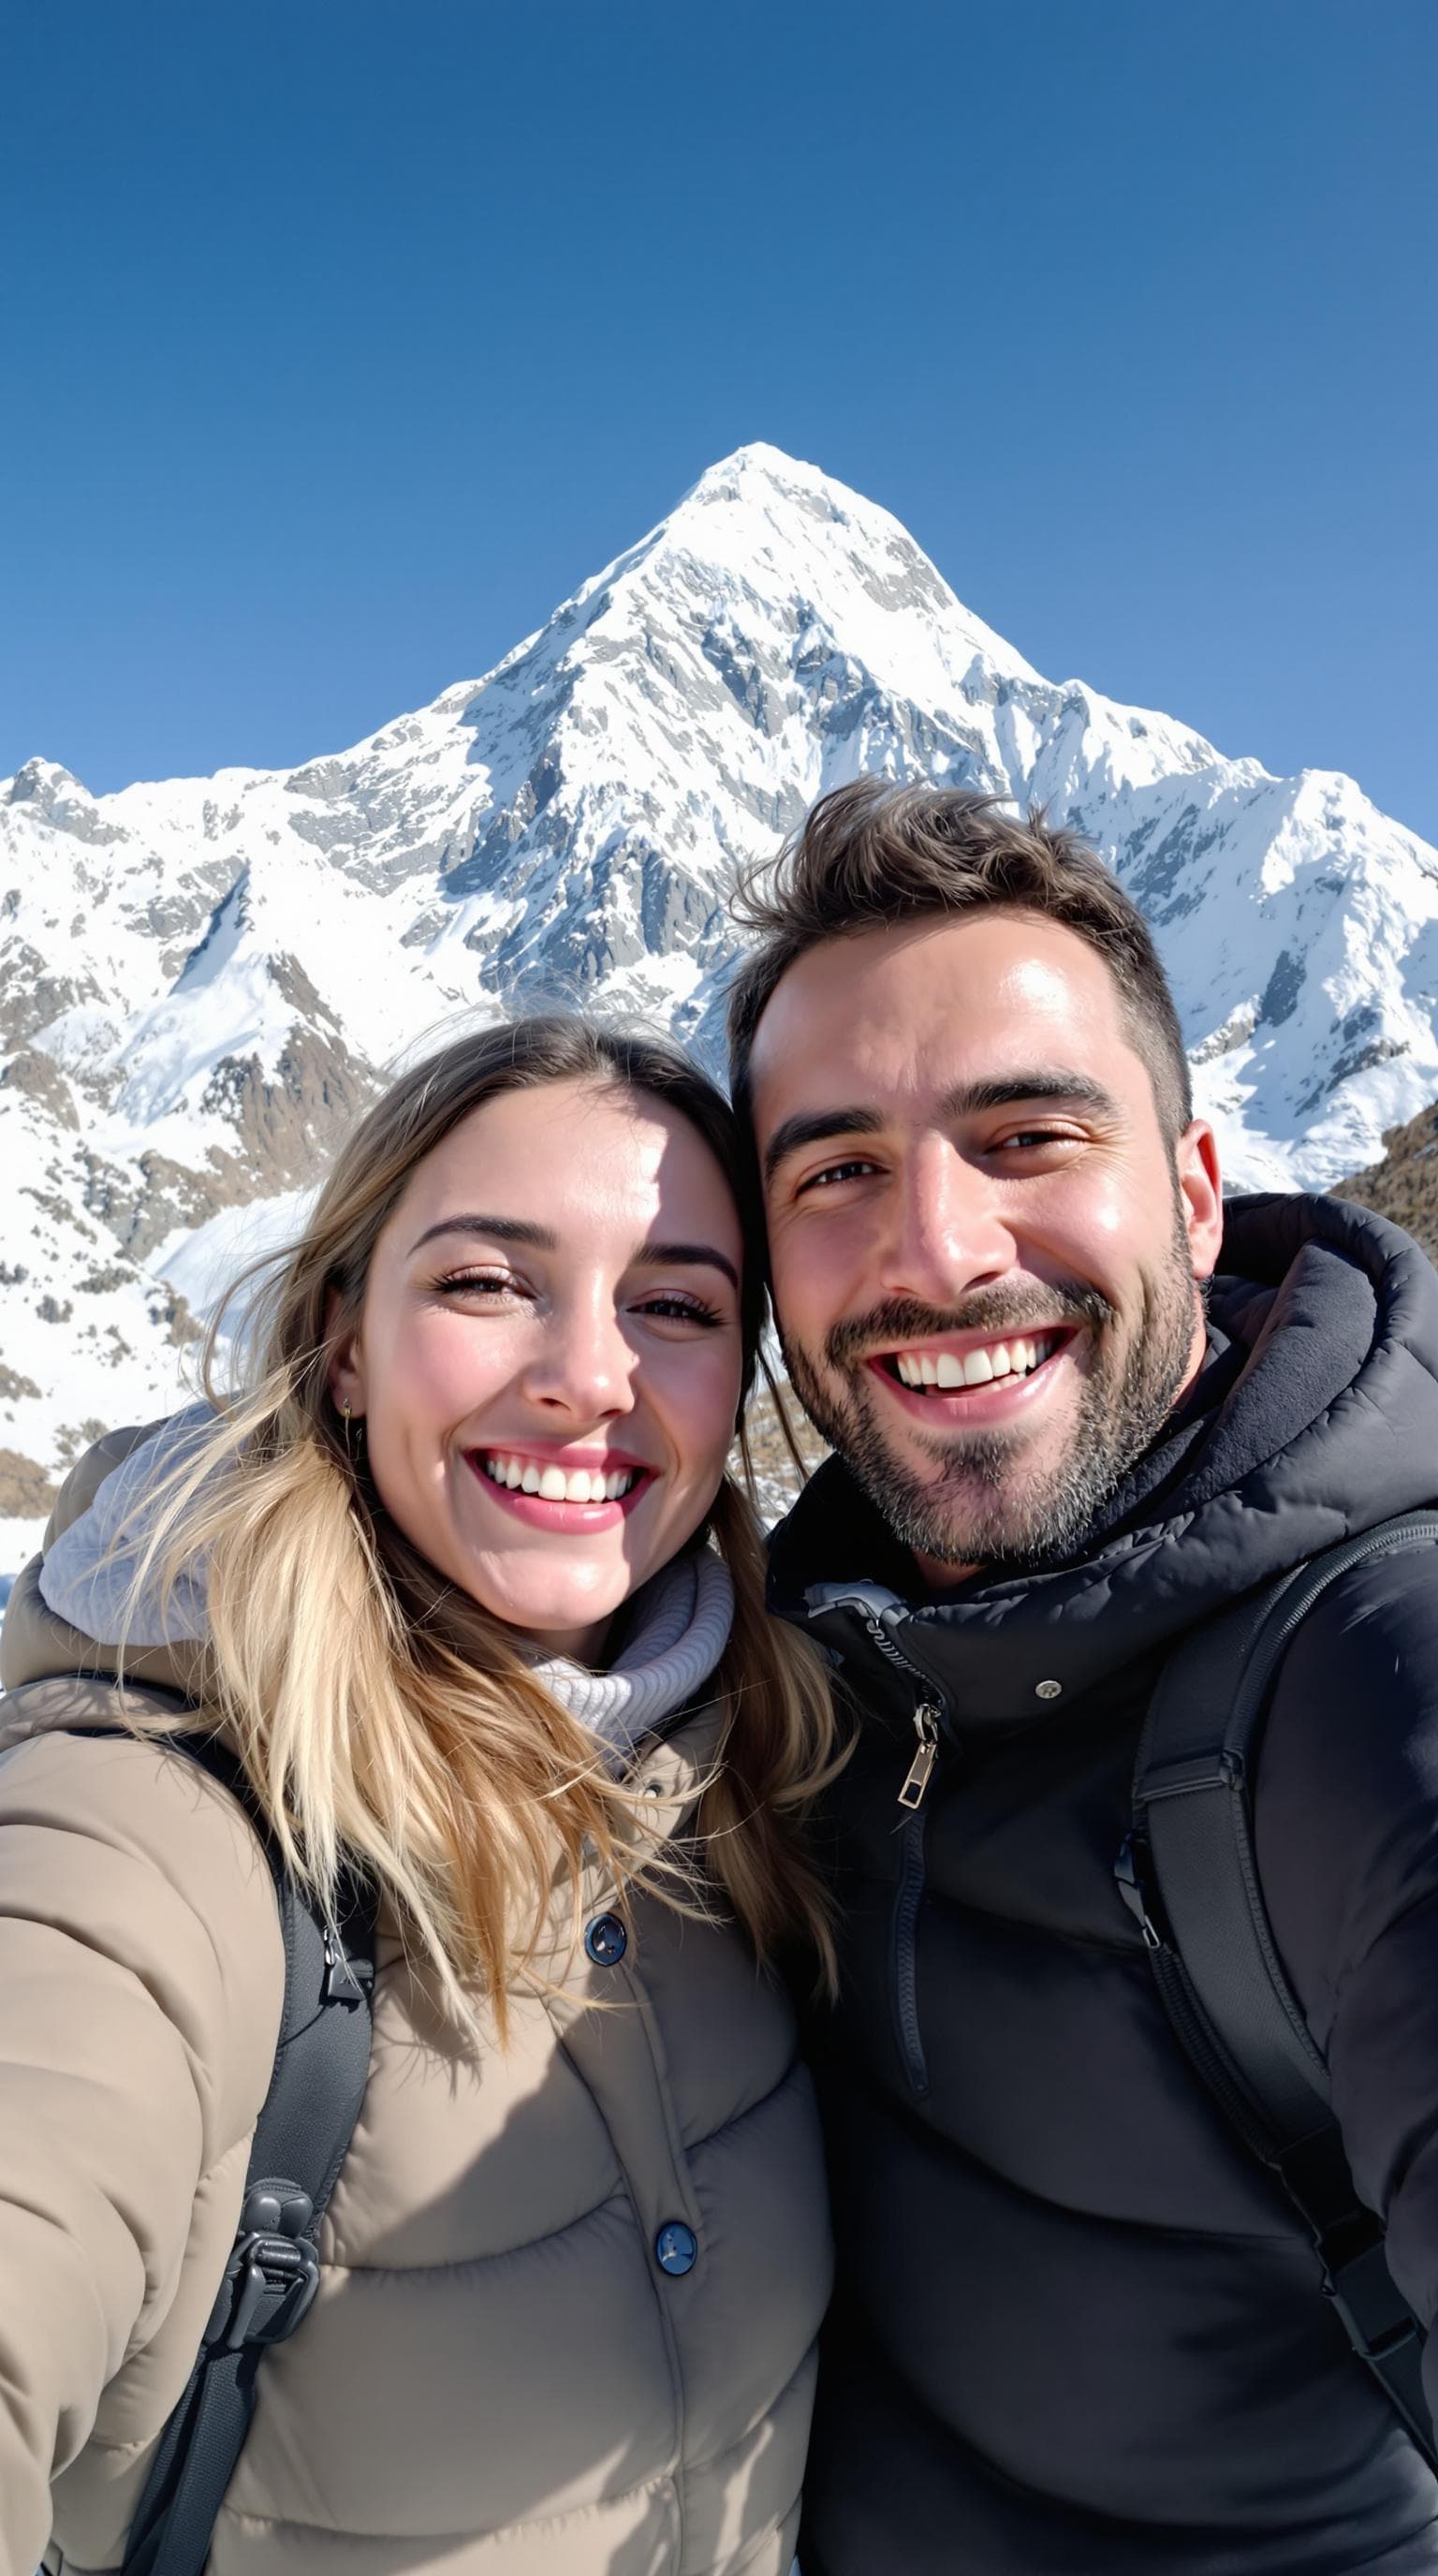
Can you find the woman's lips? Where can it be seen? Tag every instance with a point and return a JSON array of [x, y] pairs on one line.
[[539, 1511]]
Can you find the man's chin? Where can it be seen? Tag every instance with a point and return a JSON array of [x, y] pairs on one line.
[[960, 1537], [999, 1504]]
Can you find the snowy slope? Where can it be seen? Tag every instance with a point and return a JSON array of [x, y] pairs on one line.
[[201, 980]]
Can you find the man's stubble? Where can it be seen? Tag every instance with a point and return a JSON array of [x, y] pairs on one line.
[[981, 1511]]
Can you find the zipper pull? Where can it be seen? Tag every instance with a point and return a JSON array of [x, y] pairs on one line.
[[921, 1769]]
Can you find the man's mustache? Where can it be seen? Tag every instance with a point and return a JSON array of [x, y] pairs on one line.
[[900, 1321]]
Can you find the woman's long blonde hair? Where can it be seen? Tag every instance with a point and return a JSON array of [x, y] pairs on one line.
[[382, 1717]]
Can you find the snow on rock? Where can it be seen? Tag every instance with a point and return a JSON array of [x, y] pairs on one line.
[[202, 981]]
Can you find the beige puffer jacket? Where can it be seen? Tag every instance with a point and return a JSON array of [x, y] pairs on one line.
[[497, 2378]]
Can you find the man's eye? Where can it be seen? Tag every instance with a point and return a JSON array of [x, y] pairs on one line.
[[1028, 1137], [855, 1170]]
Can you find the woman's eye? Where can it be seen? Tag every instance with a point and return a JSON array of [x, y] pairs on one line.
[[855, 1170], [683, 1310], [487, 1284]]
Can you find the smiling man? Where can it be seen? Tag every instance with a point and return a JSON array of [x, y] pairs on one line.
[[1080, 1408]]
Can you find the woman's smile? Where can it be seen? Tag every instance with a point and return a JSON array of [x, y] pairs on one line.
[[579, 1491]]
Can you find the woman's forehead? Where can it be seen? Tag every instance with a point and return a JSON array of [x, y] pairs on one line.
[[572, 1156]]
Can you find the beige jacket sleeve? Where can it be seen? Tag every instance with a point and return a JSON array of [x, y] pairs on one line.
[[141, 1981]]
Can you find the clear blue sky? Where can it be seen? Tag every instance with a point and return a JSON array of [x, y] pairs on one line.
[[339, 340]]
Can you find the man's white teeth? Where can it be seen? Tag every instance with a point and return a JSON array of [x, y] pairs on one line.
[[975, 1368], [555, 1484]]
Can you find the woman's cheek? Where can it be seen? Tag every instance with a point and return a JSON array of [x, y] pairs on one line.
[[710, 1396], [450, 1372]]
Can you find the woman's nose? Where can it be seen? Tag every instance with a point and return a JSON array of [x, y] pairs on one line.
[[584, 1363], [949, 1233]]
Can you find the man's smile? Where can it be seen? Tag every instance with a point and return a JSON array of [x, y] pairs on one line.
[[972, 1378], [963, 1361]]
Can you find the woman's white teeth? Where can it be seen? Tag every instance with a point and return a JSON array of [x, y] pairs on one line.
[[557, 1484], [975, 1368]]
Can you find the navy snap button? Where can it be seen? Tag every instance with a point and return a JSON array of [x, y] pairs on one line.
[[606, 1940], [676, 2247]]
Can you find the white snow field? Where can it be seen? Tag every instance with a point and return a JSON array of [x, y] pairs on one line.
[[202, 979]]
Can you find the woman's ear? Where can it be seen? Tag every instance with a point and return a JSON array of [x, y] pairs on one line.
[[346, 1378]]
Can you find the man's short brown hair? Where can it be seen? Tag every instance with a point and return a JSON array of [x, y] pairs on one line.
[[871, 854]]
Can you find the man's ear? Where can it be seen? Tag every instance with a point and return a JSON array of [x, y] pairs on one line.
[[1200, 1186], [346, 1379]]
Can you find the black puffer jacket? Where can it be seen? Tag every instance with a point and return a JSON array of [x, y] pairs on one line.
[[1078, 2328]]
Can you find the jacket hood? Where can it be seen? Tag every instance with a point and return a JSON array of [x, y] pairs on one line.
[[77, 1633], [1327, 1317]]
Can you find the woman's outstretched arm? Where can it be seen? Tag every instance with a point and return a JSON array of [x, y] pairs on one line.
[[141, 1980]]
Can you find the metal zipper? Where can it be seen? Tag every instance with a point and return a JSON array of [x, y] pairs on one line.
[[921, 1770], [909, 1896]]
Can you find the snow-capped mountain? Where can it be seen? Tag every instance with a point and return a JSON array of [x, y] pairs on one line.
[[201, 980]]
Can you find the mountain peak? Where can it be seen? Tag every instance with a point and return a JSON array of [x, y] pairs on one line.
[[757, 464], [42, 783]]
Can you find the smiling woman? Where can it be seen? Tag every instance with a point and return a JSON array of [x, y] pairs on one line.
[[586, 1333], [462, 1581]]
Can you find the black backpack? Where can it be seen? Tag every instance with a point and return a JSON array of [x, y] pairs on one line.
[[1187, 1872], [300, 2142]]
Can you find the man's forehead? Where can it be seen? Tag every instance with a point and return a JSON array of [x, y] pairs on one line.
[[926, 1006]]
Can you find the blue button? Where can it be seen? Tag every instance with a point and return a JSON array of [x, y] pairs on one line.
[[606, 1940], [676, 2247]]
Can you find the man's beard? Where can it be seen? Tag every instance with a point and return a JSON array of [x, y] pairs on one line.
[[981, 1510]]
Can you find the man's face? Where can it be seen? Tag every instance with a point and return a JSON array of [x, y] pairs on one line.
[[985, 1253]]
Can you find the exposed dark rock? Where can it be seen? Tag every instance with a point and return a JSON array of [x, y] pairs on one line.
[[40, 1078], [289, 1121], [30, 996], [1404, 1186], [26, 1492], [1280, 999]]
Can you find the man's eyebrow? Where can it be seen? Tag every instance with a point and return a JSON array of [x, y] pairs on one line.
[[814, 1127], [684, 1256], [1032, 1082], [499, 1229], [967, 1100]]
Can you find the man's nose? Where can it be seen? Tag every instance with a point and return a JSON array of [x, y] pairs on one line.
[[584, 1365], [947, 1232]]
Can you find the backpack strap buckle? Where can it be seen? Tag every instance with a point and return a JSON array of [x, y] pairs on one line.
[[273, 2272], [1375, 2319]]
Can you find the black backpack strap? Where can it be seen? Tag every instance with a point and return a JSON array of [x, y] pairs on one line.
[[300, 2141], [1189, 1874]]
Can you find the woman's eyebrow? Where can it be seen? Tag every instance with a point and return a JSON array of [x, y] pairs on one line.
[[499, 1229], [665, 1256]]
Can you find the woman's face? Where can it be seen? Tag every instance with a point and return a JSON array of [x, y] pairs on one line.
[[548, 1356]]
